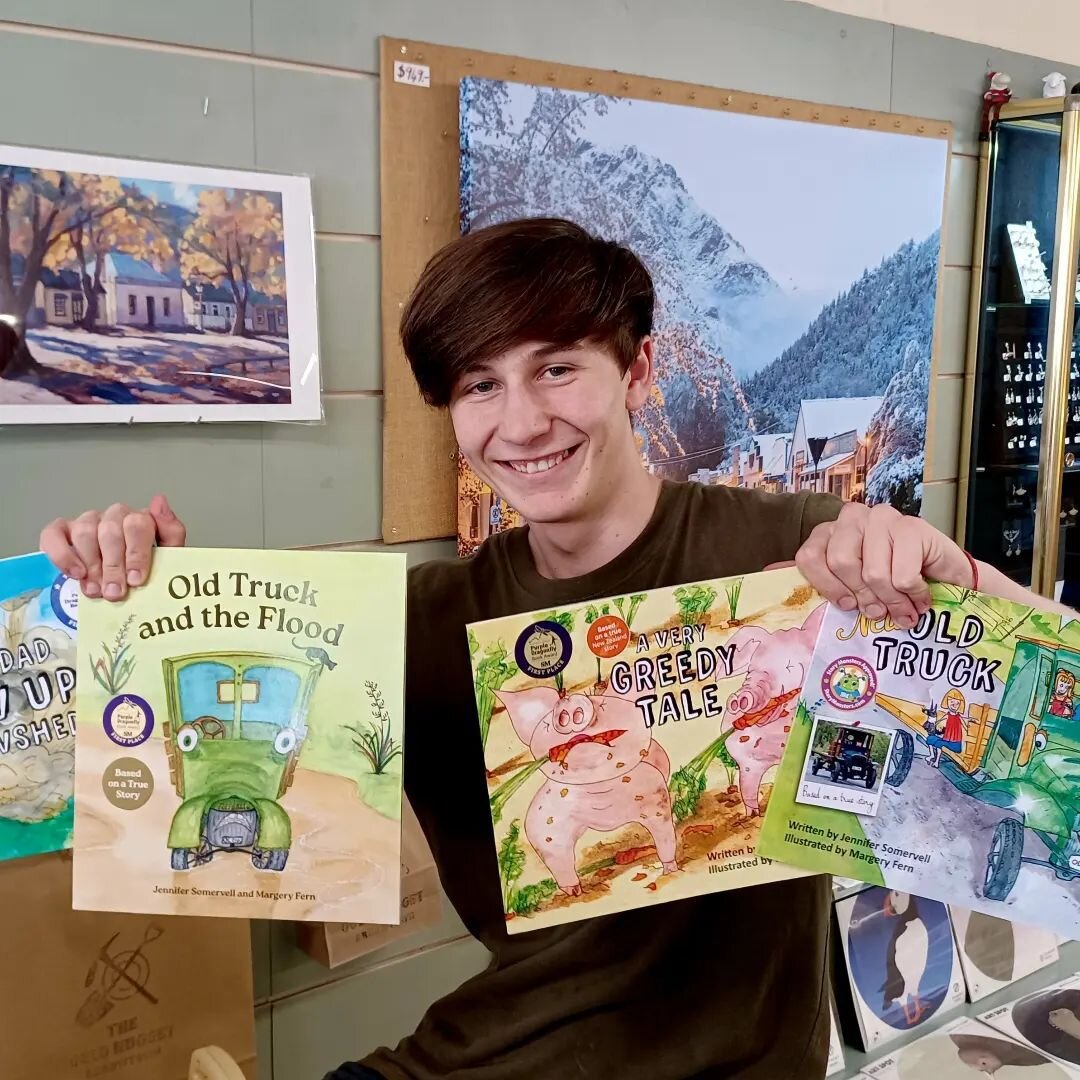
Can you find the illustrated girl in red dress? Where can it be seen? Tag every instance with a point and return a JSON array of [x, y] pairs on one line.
[[949, 729]]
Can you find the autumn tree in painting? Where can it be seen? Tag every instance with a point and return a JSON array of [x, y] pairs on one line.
[[54, 220], [236, 240]]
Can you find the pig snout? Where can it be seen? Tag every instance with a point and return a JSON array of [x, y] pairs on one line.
[[572, 715]]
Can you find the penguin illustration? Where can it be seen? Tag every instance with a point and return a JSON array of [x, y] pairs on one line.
[[906, 956], [987, 1054]]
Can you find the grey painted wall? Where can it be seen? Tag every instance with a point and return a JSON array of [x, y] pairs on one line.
[[294, 87]]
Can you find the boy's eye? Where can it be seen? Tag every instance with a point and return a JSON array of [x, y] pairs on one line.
[[484, 387], [556, 370]]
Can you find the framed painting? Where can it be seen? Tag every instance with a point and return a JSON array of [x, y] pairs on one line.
[[796, 271], [145, 291]]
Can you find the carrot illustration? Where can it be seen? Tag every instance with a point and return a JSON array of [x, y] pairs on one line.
[[756, 717]]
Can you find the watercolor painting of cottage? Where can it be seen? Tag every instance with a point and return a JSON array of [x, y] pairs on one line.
[[134, 290]]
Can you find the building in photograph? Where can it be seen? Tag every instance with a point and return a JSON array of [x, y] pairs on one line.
[[211, 307], [767, 461], [135, 294], [825, 444], [58, 298]]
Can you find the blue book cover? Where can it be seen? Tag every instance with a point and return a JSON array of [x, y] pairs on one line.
[[38, 628]]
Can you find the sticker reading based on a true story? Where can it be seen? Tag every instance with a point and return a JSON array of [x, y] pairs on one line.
[[128, 720], [608, 636], [128, 783]]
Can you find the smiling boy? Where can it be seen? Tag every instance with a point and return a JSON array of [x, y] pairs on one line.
[[536, 337]]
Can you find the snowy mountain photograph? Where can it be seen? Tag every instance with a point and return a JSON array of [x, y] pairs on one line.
[[795, 267]]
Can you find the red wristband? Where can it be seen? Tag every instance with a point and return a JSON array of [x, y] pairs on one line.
[[974, 570]]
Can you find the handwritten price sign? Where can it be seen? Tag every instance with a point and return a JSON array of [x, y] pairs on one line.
[[413, 74]]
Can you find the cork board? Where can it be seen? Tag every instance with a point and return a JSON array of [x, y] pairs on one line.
[[419, 186]]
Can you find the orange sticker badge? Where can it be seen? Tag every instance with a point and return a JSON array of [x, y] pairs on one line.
[[608, 636]]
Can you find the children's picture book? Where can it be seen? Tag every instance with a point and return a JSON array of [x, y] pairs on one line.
[[901, 960], [1047, 1020], [965, 1050], [995, 952], [38, 630], [631, 742], [239, 745], [943, 760]]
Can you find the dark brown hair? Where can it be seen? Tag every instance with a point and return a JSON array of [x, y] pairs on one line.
[[537, 279]]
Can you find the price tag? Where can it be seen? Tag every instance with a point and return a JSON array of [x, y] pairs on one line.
[[413, 74]]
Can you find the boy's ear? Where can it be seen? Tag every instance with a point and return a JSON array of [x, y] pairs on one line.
[[642, 375]]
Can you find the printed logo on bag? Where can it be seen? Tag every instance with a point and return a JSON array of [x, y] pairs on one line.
[[117, 973], [543, 649], [64, 599], [848, 683], [129, 720]]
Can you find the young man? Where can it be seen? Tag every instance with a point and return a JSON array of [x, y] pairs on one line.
[[536, 337]]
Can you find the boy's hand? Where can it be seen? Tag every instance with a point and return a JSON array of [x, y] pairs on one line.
[[878, 560], [109, 550]]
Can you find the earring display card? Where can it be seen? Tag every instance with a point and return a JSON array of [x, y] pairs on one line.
[[965, 1049], [1047, 1021], [994, 952], [1028, 259]]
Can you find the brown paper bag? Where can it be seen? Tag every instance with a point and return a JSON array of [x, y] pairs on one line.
[[336, 943], [87, 995]]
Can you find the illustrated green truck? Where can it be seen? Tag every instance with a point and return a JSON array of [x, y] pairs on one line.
[[236, 724], [1023, 758]]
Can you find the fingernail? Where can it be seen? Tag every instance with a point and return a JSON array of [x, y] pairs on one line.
[[77, 573], [92, 589], [874, 611], [134, 577], [904, 622], [846, 603], [113, 591]]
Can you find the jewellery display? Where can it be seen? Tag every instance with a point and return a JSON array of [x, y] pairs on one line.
[[1030, 268]]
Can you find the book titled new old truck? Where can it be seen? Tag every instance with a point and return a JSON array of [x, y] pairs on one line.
[[239, 738], [943, 760]]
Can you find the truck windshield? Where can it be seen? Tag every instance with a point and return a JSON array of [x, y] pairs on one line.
[[200, 691], [269, 698]]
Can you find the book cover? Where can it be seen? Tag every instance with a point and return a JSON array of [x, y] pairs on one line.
[[995, 952], [239, 738], [942, 760], [630, 742], [1047, 1020], [38, 630], [964, 1050], [902, 965]]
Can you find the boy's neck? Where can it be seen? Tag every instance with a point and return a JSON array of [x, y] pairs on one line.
[[575, 548]]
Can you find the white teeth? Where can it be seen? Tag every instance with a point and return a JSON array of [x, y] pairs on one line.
[[540, 465]]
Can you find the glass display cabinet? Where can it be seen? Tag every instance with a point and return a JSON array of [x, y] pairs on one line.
[[1019, 490]]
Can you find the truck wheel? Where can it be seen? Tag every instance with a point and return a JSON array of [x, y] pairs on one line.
[[269, 858], [815, 766], [871, 776], [1003, 859], [900, 759], [183, 858], [837, 774]]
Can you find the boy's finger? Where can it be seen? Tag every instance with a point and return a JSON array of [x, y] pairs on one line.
[[55, 543], [84, 539], [139, 531], [170, 529], [113, 552]]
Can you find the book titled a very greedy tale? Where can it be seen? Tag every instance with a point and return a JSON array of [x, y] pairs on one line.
[[239, 738], [630, 742]]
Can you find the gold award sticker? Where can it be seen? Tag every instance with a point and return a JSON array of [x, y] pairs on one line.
[[128, 783]]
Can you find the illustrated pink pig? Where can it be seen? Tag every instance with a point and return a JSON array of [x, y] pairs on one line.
[[602, 770], [775, 663]]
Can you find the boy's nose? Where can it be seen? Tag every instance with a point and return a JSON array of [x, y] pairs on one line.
[[523, 419]]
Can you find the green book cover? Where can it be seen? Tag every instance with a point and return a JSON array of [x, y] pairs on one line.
[[942, 761], [239, 738]]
